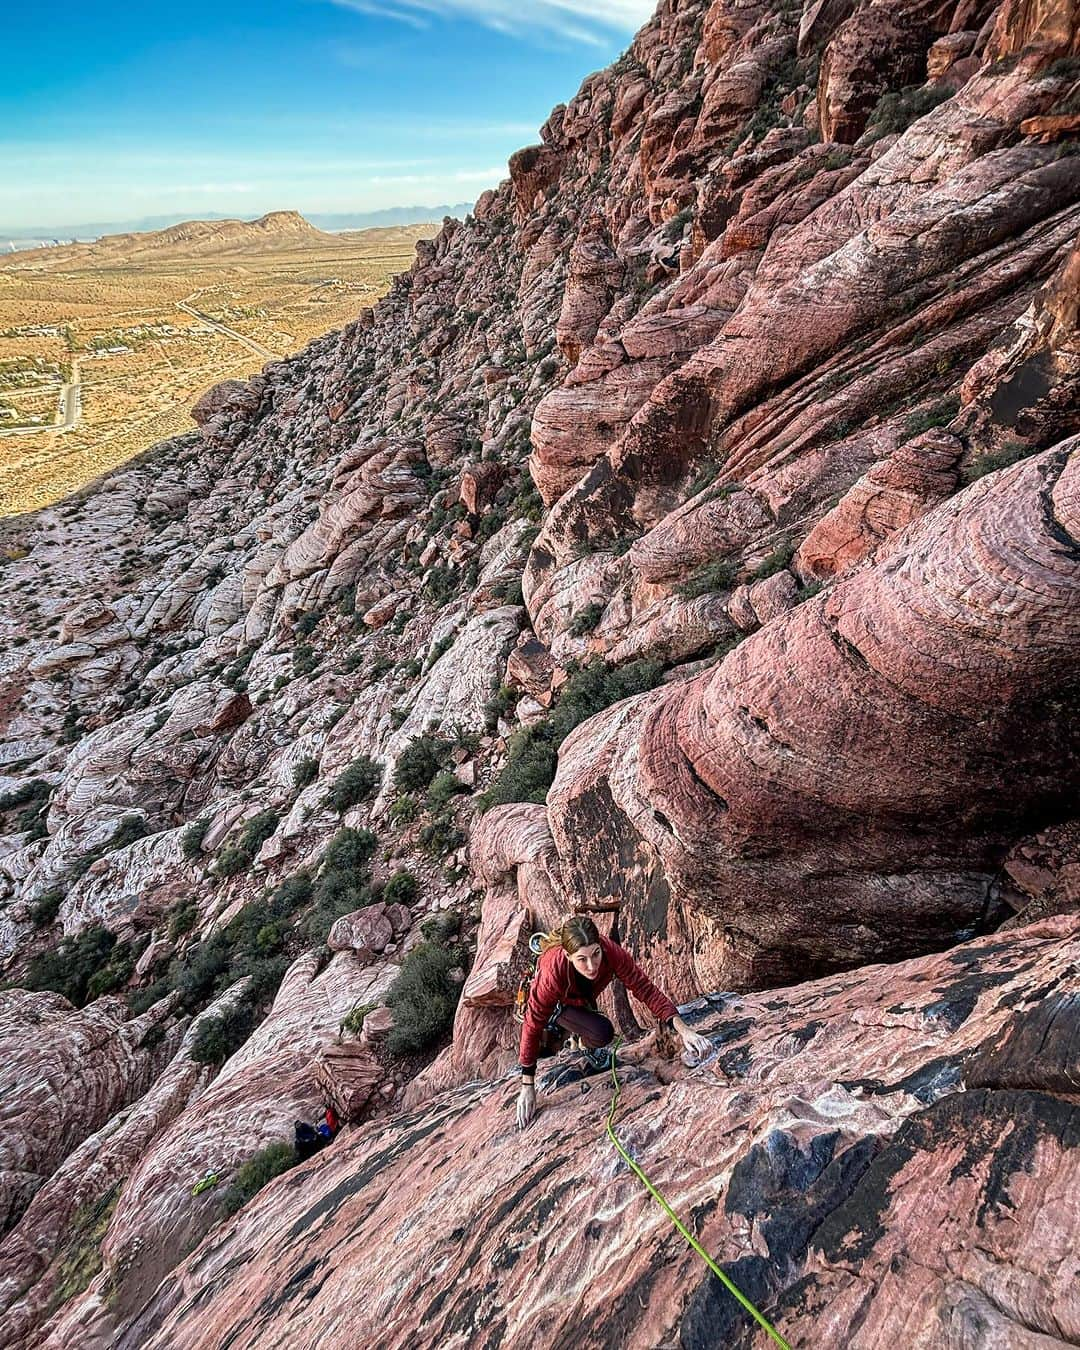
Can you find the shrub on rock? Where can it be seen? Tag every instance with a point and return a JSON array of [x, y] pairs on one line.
[[253, 1175], [305, 772], [420, 761], [358, 783], [401, 888], [424, 997]]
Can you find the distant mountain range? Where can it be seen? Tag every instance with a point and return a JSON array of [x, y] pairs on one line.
[[29, 236], [192, 239]]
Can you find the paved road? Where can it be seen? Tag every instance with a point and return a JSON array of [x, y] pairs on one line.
[[249, 343], [70, 410]]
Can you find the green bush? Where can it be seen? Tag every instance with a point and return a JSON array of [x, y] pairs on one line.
[[444, 787], [291, 894], [113, 975], [404, 809], [714, 576], [305, 772], [231, 861], [220, 1036], [70, 967], [191, 840], [251, 945], [442, 926], [70, 729], [353, 1021], [182, 919], [33, 797], [438, 649], [1010, 453], [43, 913], [939, 415], [532, 751], [253, 1175], [423, 998], [234, 858], [358, 783], [586, 620], [705, 475], [777, 560], [305, 660], [439, 836], [527, 501], [897, 111], [509, 591], [726, 645], [130, 828], [401, 888], [344, 883], [502, 704], [350, 850], [420, 761], [441, 585]]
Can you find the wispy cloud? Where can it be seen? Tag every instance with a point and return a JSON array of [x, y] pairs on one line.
[[587, 21], [489, 177]]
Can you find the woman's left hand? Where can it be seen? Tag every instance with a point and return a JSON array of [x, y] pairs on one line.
[[698, 1045]]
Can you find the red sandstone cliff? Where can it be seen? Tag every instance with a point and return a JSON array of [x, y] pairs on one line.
[[710, 499]]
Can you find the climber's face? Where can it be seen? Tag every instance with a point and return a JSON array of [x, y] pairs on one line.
[[587, 960]]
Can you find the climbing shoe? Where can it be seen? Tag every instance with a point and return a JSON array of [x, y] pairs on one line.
[[598, 1060]]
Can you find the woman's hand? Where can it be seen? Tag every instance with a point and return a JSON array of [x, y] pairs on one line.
[[699, 1046], [526, 1105]]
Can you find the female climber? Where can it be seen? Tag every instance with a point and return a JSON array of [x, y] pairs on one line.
[[576, 965]]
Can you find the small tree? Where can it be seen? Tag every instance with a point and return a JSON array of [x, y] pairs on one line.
[[420, 761], [358, 783]]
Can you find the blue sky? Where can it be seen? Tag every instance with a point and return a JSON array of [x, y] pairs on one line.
[[312, 105]]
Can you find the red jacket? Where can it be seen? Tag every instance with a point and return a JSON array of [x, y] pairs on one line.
[[554, 982]]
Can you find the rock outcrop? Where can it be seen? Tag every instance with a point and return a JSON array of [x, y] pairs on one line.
[[886, 1156], [752, 798], [691, 537], [66, 1073]]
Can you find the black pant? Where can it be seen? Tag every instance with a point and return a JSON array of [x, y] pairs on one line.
[[592, 1027]]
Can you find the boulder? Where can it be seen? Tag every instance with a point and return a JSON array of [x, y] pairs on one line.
[[365, 932], [347, 1077], [378, 1024]]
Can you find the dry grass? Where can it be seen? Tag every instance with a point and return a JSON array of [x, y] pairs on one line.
[[279, 300]]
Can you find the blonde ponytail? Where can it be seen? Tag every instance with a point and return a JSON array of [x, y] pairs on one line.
[[574, 932]]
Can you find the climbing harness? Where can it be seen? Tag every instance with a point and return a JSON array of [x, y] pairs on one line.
[[725, 1280], [522, 998]]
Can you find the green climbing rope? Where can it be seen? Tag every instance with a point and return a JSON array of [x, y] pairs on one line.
[[725, 1280]]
